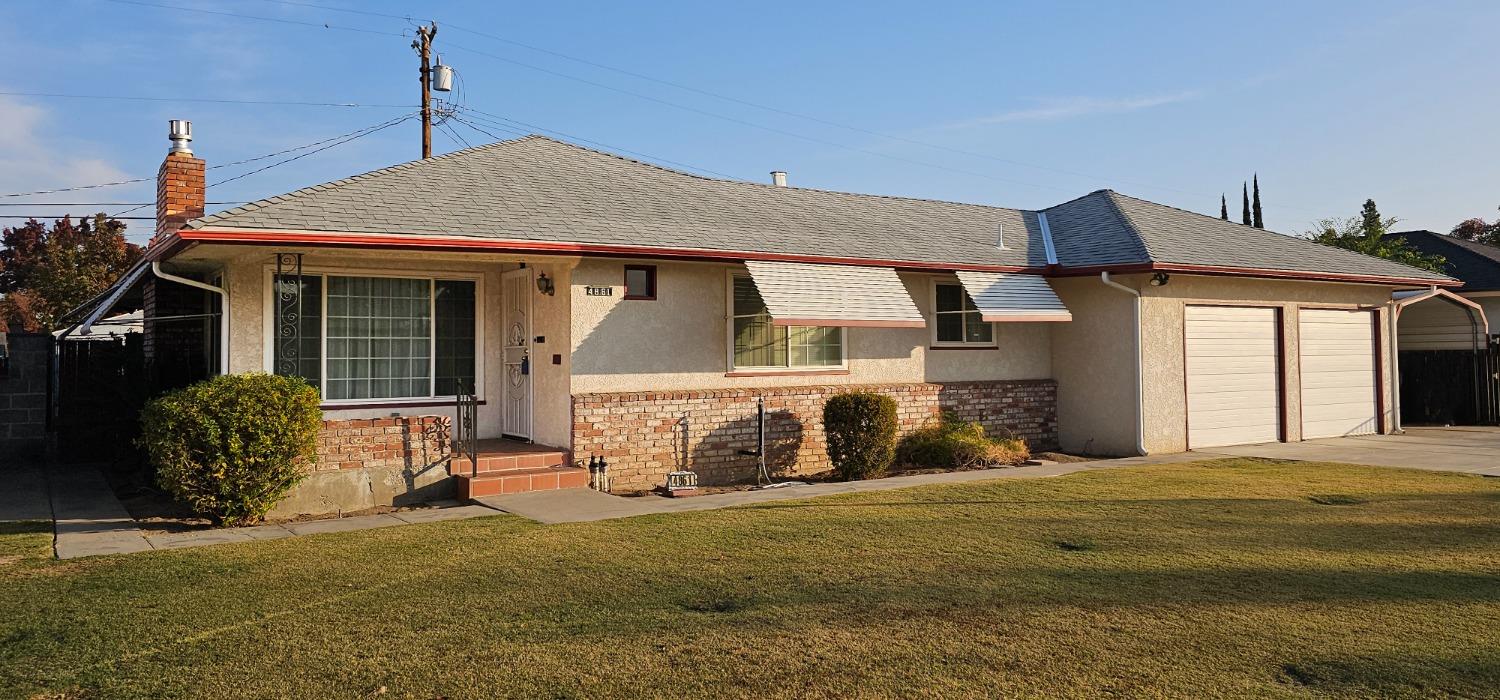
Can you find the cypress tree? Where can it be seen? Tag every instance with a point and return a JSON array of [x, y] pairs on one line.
[[1260, 222], [1223, 207], [1245, 203]]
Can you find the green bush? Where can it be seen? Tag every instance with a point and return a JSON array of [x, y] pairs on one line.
[[955, 444], [861, 433], [232, 446]]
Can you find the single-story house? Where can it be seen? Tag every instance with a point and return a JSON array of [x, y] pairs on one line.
[[607, 306], [1447, 353]]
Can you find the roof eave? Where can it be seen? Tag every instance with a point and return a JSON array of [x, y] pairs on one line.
[[390, 241]]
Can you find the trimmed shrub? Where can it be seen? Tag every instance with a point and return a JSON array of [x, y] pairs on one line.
[[232, 446], [861, 432], [955, 444]]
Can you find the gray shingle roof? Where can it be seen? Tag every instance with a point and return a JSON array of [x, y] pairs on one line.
[[1477, 264], [1165, 234], [539, 189]]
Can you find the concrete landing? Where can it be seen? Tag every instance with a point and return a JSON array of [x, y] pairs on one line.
[[584, 505]]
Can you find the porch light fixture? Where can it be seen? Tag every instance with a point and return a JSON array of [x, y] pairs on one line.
[[544, 284], [1160, 279]]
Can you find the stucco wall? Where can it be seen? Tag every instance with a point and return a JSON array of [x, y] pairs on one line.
[[679, 340], [1162, 323], [1093, 360]]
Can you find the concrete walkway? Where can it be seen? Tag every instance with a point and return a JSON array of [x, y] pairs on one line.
[[584, 505], [1470, 450], [88, 519]]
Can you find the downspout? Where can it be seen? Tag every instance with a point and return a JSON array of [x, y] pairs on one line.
[[1140, 401], [1395, 350], [223, 310]]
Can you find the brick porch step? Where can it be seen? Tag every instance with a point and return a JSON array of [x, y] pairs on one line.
[[493, 483], [489, 462]]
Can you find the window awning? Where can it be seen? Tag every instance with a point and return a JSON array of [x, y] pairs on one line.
[[804, 294], [1007, 297]]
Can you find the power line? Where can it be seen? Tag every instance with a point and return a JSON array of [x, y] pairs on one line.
[[645, 156], [55, 216], [280, 20], [210, 100], [742, 122], [79, 187], [90, 204]]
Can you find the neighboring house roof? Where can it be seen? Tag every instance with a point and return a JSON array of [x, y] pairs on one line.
[[1477, 264], [536, 192]]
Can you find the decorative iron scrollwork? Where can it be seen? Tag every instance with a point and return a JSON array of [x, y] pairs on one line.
[[289, 314]]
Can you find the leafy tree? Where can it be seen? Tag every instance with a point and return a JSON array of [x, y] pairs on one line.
[[1477, 229], [1366, 234], [1244, 204], [46, 273], [1223, 208], [1258, 220]]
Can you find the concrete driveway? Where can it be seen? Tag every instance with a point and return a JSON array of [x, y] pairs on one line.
[[1472, 450]]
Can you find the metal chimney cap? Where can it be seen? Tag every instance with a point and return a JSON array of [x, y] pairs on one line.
[[180, 133], [778, 178]]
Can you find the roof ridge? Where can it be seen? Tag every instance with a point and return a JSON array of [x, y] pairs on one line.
[[300, 192], [1135, 231], [764, 185]]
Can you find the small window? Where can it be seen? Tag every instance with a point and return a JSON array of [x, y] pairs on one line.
[[959, 321], [640, 282]]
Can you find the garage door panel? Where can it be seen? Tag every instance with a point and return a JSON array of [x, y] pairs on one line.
[[1232, 372], [1338, 373]]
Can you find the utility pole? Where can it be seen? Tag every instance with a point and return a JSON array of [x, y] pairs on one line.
[[423, 47]]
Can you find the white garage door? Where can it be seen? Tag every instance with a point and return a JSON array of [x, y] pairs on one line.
[[1338, 373], [1233, 369]]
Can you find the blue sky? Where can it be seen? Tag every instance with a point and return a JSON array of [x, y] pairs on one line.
[[1015, 104]]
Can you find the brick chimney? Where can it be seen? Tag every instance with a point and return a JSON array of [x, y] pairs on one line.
[[179, 182]]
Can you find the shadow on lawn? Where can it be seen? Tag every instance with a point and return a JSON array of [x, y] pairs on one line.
[[1392, 675]]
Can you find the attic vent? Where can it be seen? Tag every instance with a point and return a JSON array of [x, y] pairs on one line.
[[778, 178]]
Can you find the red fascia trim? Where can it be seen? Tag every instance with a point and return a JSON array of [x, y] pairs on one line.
[[405, 242]]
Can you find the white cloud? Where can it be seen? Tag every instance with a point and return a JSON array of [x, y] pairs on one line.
[[34, 156], [1056, 108]]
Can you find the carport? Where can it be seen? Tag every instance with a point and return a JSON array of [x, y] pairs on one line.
[[1446, 362]]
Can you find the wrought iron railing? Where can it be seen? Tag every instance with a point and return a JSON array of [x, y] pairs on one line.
[[465, 422]]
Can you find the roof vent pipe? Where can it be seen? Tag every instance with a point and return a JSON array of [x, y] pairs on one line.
[[778, 178], [180, 133]]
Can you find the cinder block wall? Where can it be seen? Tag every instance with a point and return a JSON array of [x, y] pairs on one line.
[[644, 435], [23, 398]]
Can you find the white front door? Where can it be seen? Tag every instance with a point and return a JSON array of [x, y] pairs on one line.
[[1233, 368], [1338, 373], [515, 296]]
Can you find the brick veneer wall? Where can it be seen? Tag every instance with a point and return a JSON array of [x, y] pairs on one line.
[[409, 442], [644, 435]]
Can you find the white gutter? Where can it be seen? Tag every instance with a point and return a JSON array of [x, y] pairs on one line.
[[1140, 401], [223, 310]]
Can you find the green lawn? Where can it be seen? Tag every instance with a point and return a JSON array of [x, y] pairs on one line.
[[1229, 578]]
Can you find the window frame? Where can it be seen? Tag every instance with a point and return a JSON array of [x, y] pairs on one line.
[[268, 330], [736, 370], [650, 271], [991, 344]]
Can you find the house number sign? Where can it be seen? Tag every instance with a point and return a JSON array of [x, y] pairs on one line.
[[599, 291]]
